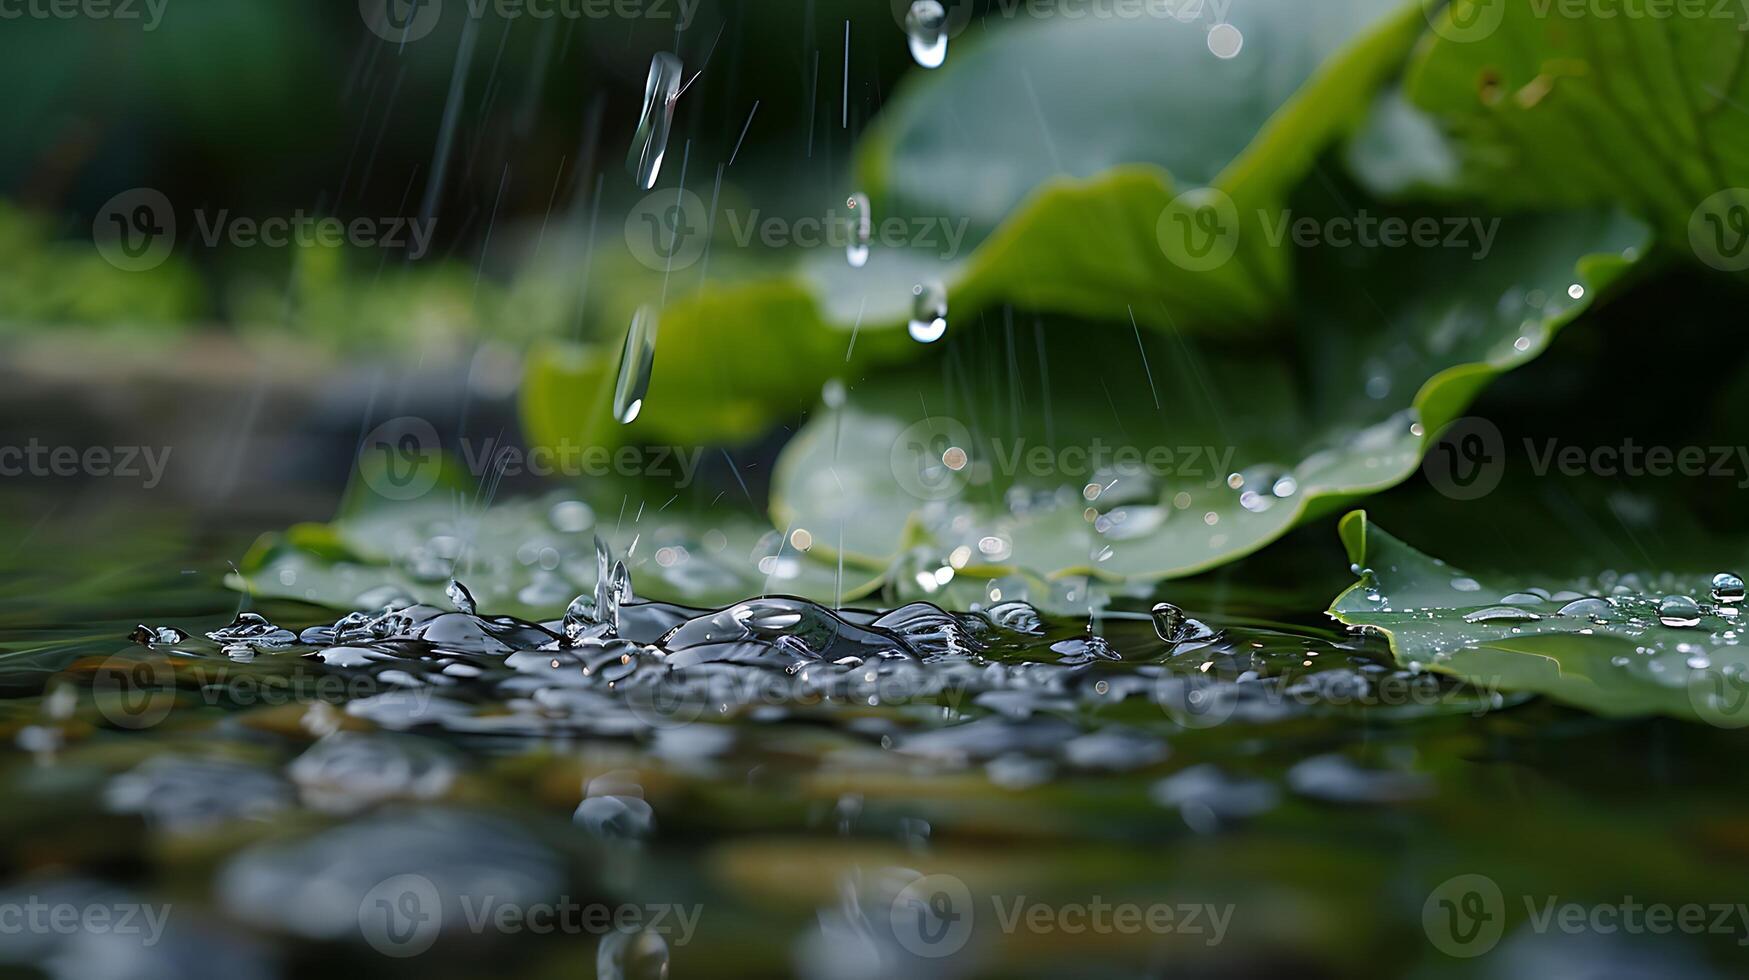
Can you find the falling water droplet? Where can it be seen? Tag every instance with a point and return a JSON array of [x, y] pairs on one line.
[[861, 230], [1679, 612], [661, 89], [1727, 588], [926, 30], [460, 597], [928, 312], [635, 364]]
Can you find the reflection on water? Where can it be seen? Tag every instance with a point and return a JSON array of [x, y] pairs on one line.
[[643, 789]]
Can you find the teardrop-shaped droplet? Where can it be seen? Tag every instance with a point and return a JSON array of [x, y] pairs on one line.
[[1168, 621], [926, 30], [1727, 588], [635, 364], [861, 230], [1679, 612], [928, 312], [661, 89], [460, 597]]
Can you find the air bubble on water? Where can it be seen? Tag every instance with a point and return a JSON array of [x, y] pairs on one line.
[[650, 143], [1679, 612], [861, 230], [1225, 41], [1576, 291], [636, 361], [928, 312], [926, 32], [460, 597], [1727, 588]]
